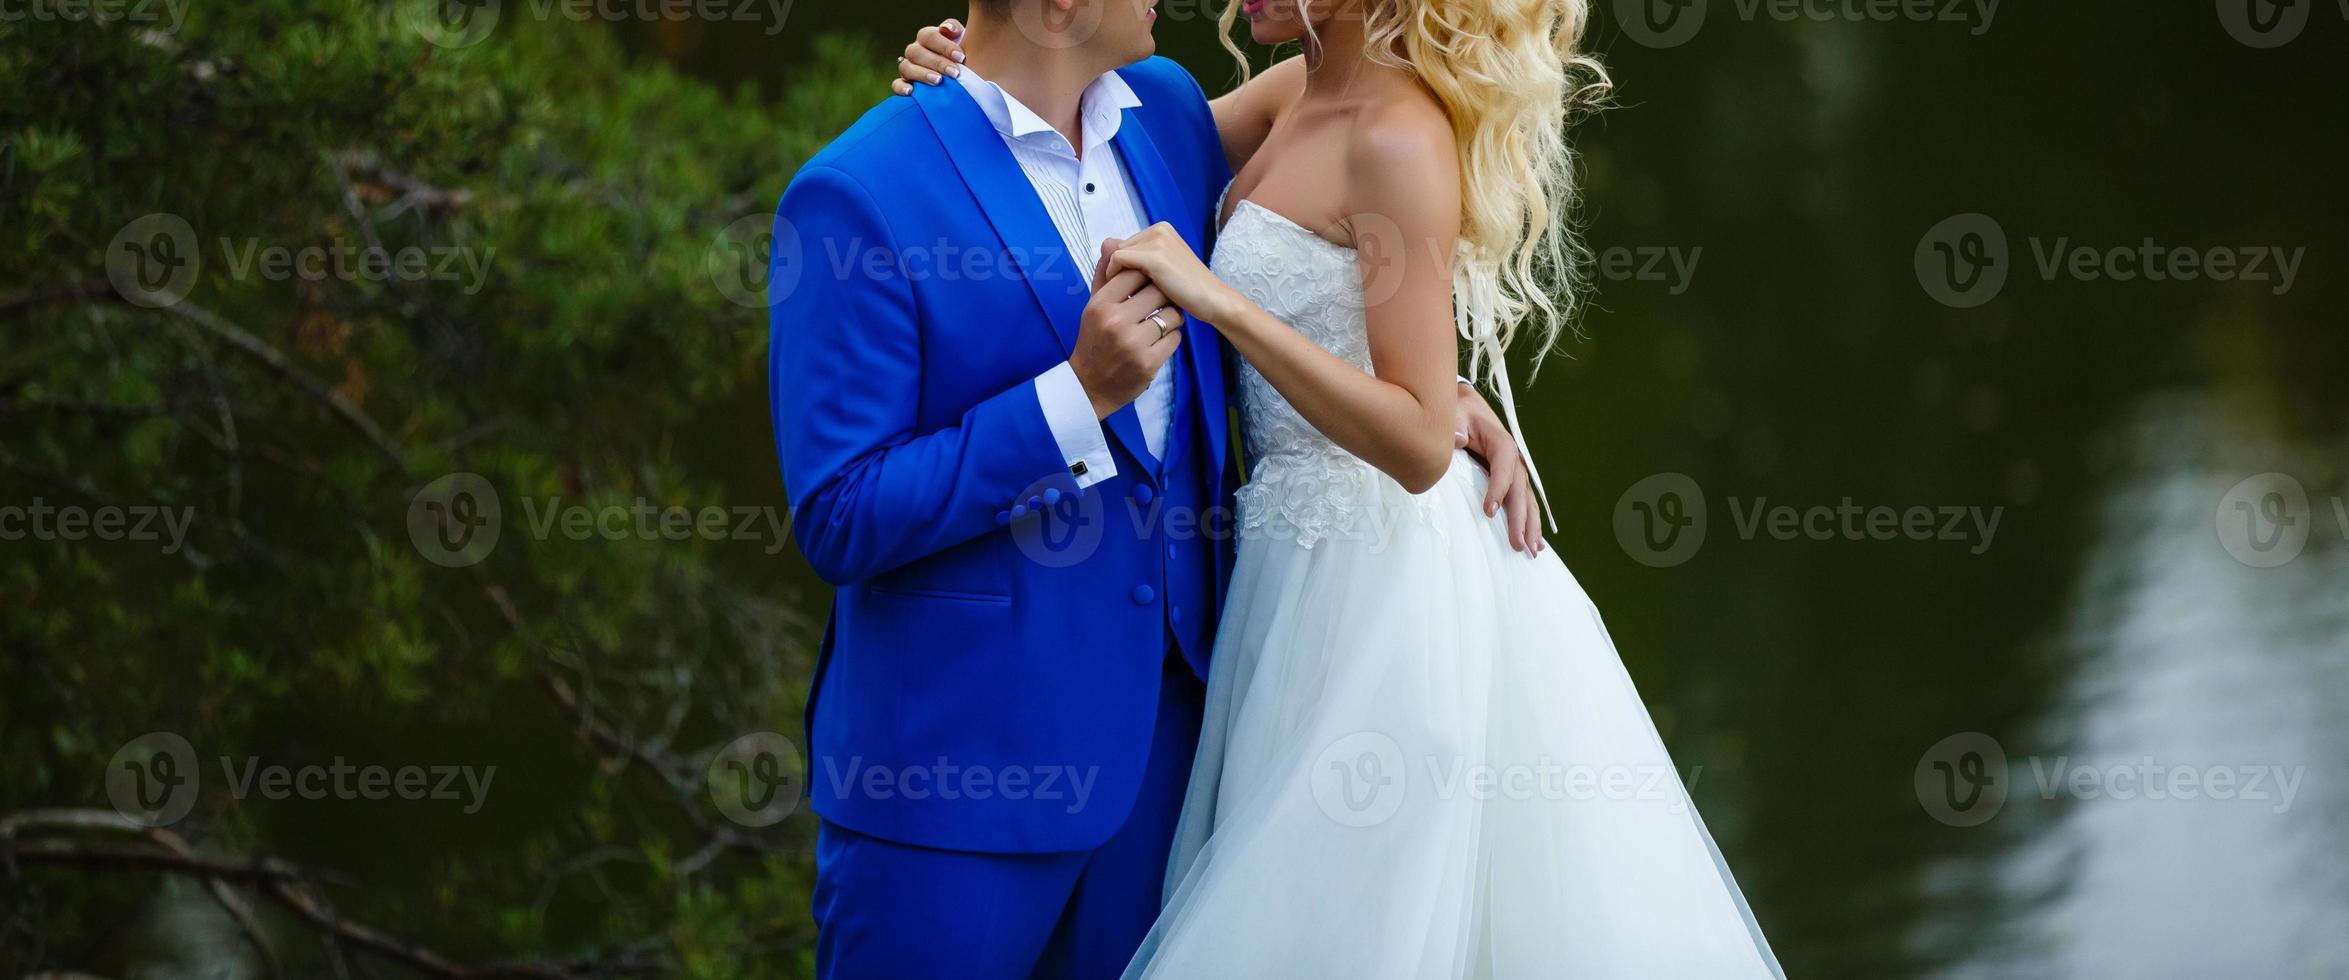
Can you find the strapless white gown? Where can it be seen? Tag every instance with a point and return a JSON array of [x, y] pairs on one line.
[[1421, 756]]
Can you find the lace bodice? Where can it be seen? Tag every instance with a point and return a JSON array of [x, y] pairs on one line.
[[1301, 486]]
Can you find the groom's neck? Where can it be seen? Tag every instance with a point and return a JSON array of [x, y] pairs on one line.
[[1050, 81]]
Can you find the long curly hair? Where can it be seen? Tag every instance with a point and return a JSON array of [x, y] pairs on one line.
[[1512, 78]]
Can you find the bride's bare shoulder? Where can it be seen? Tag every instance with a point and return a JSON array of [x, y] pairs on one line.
[[1402, 153]]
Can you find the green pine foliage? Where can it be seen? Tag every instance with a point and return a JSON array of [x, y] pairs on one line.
[[596, 359]]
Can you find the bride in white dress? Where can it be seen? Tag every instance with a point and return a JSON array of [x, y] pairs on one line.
[[1421, 754]]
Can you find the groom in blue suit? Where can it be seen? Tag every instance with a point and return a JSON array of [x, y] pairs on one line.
[[1017, 484]]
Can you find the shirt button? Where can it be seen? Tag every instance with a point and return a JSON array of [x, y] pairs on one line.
[[1143, 594], [1090, 187], [1143, 493]]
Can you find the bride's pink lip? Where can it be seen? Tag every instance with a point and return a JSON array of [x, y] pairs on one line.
[[1254, 7]]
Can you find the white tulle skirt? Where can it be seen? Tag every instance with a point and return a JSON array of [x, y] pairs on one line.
[[1422, 758]]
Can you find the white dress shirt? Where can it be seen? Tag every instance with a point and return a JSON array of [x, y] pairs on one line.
[[1090, 199]]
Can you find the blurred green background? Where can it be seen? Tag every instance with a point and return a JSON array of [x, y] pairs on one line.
[[1774, 331]]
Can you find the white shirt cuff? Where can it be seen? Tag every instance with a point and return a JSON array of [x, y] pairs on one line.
[[1069, 412]]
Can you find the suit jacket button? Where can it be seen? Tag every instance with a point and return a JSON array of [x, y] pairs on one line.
[[1018, 511], [1175, 615], [1143, 594], [1003, 517], [1051, 495], [1143, 493]]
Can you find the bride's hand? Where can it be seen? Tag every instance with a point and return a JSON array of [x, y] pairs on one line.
[[1161, 254], [936, 52], [1482, 433]]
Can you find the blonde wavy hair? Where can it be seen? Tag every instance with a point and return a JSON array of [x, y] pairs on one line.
[[1510, 75]]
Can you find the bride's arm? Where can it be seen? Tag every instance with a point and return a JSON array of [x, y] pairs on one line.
[[1243, 116], [1399, 418]]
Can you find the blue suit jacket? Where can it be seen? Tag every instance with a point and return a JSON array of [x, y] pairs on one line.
[[992, 664]]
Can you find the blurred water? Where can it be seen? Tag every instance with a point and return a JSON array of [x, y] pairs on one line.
[[2187, 661]]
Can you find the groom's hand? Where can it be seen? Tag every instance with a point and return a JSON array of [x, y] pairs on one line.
[[1119, 346]]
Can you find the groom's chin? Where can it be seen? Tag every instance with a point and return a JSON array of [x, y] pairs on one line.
[[1143, 45]]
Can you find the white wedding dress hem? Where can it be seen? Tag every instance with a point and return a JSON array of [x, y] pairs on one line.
[[1421, 755]]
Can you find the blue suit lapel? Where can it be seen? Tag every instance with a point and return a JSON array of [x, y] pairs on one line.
[[1062, 283], [1163, 201], [1002, 189]]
